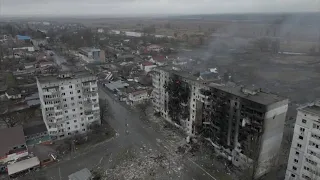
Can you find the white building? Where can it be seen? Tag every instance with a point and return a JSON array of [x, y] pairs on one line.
[[29, 48], [138, 96], [154, 48], [147, 66], [304, 157], [69, 103], [100, 30], [93, 54]]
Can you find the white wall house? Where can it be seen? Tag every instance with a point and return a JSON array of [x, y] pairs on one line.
[[28, 48], [147, 66], [137, 96]]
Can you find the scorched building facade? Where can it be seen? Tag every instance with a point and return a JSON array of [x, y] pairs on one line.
[[243, 124], [69, 103]]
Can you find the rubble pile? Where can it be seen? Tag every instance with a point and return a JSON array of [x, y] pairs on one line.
[[147, 164]]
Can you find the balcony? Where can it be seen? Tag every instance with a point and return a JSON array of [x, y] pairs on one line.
[[88, 112], [59, 116], [93, 84], [95, 108], [53, 130], [51, 91], [49, 105], [52, 117], [52, 97], [57, 110], [315, 140]]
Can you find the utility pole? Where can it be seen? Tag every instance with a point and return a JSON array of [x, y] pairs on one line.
[[126, 129], [60, 174], [72, 147]]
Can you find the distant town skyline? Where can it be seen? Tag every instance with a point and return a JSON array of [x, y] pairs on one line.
[[151, 7]]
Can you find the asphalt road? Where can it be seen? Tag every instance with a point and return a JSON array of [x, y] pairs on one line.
[[99, 155]]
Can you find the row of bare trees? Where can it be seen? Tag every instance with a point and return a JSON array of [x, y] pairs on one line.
[[17, 118]]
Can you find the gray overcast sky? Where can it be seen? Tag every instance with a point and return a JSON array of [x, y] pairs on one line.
[[142, 7]]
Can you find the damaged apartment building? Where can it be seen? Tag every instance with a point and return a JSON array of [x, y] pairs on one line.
[[244, 125]]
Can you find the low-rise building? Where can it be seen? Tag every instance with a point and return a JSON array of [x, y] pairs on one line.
[[13, 145], [28, 48], [45, 64], [83, 174], [39, 42], [23, 166], [93, 53], [22, 38], [29, 65], [137, 97], [115, 85], [13, 93], [36, 134], [154, 48], [158, 60], [147, 66]]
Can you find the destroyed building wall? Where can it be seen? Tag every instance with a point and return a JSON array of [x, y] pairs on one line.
[[243, 128], [243, 124]]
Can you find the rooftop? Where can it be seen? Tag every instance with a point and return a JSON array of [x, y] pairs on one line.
[[83, 174], [147, 63], [138, 92], [20, 37], [35, 129], [313, 109], [55, 77], [183, 74], [16, 138], [23, 165], [116, 85], [260, 97], [13, 91], [89, 49]]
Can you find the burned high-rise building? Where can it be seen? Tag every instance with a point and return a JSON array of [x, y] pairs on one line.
[[243, 124]]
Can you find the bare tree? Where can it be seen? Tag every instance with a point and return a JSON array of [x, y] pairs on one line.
[[105, 110], [15, 118], [9, 120], [142, 107]]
